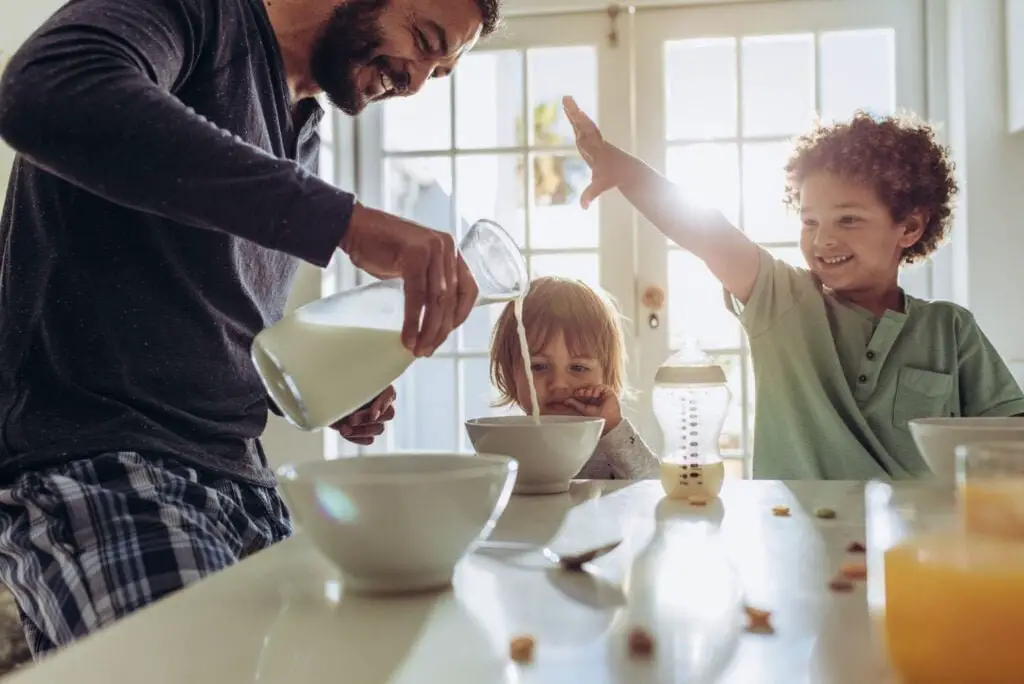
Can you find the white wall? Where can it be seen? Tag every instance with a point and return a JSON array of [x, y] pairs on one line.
[[989, 241]]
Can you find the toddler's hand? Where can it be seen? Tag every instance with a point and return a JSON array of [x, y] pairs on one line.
[[595, 151], [597, 402]]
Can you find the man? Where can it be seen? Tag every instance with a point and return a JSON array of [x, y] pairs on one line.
[[163, 193]]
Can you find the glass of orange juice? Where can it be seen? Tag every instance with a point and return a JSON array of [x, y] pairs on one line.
[[991, 481], [948, 601]]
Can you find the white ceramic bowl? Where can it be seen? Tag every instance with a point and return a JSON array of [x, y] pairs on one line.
[[550, 454], [938, 438], [398, 523]]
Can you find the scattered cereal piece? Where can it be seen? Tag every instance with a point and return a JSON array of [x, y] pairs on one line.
[[521, 649], [697, 500], [641, 643], [840, 585], [780, 511], [854, 571], [855, 547], [759, 621], [824, 513]]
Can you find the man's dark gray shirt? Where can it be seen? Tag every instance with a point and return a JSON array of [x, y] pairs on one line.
[[163, 194]]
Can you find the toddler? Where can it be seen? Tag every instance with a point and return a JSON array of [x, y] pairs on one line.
[[843, 358], [578, 363]]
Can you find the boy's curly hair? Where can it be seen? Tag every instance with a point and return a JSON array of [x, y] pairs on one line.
[[898, 156]]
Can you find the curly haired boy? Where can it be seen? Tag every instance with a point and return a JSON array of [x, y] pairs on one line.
[[843, 358]]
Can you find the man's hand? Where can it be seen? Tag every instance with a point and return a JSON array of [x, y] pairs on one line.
[[439, 289], [366, 424], [598, 401]]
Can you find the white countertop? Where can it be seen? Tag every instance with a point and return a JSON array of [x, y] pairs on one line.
[[282, 616]]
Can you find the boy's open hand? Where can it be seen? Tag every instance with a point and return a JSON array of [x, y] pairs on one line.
[[597, 402], [594, 150]]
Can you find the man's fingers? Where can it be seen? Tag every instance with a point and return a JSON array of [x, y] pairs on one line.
[[384, 400], [440, 297], [466, 292], [414, 279]]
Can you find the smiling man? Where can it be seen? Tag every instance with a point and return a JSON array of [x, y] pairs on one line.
[[163, 194]]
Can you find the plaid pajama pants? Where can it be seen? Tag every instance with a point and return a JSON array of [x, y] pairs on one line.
[[86, 543]]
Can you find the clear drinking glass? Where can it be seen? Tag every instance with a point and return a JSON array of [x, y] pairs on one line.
[[331, 356], [991, 480]]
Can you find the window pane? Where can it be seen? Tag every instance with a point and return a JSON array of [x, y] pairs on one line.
[[778, 84], [696, 305], [791, 255], [419, 189], [426, 411], [489, 100], [708, 175], [700, 88], [422, 122], [731, 438], [554, 73], [858, 71], [326, 128], [583, 267], [491, 186], [475, 333], [557, 221], [734, 468], [478, 395], [765, 217], [326, 167]]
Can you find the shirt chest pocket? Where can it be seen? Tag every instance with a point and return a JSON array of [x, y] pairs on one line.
[[920, 394]]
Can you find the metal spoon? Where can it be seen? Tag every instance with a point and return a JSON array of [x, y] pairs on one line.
[[572, 562]]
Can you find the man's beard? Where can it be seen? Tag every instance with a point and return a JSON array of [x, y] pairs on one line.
[[345, 43]]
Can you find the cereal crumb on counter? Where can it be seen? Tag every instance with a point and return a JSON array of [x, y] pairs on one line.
[[521, 648], [759, 621], [641, 643], [855, 547], [840, 585], [854, 571], [780, 511], [697, 500], [824, 513]]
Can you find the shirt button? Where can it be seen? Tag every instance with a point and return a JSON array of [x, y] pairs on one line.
[[871, 355], [863, 378]]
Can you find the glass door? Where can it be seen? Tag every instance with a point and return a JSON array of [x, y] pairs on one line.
[[721, 91], [492, 142]]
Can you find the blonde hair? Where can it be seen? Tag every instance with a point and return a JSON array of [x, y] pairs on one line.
[[589, 320]]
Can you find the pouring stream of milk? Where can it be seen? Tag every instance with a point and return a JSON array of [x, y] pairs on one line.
[[524, 349]]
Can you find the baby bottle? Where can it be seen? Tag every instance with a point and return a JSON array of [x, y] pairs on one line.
[[331, 356], [690, 400]]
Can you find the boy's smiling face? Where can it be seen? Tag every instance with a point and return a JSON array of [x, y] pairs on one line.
[[557, 373], [849, 238]]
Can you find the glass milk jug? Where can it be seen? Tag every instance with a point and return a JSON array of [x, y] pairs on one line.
[[332, 356], [690, 400]]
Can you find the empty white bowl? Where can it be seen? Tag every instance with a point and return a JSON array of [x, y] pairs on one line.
[[550, 454], [938, 438], [398, 523]]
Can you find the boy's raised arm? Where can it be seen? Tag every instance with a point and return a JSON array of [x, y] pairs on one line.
[[732, 257]]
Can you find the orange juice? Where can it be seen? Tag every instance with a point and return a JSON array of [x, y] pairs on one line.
[[954, 609], [996, 507]]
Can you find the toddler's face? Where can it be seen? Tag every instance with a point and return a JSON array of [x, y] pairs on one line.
[[849, 238], [557, 374]]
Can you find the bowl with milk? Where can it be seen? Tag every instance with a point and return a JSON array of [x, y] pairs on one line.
[[398, 523], [550, 450]]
